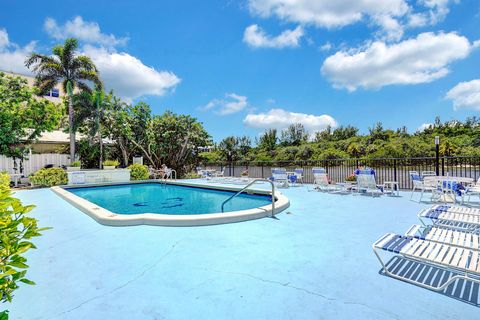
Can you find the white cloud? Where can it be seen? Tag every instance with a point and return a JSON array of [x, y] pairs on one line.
[[326, 47], [3, 39], [85, 31], [390, 16], [419, 60], [12, 56], [128, 76], [436, 12], [231, 104], [255, 37], [281, 119], [424, 126], [326, 13], [465, 95]]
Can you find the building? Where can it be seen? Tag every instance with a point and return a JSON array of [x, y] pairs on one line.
[[56, 95]]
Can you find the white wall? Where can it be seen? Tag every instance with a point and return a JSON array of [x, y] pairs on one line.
[[34, 162]]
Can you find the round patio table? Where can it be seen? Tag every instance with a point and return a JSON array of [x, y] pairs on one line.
[[435, 180], [449, 178]]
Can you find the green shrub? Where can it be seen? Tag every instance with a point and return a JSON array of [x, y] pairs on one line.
[[111, 163], [76, 164], [17, 229], [191, 175], [49, 177], [138, 172], [4, 180]]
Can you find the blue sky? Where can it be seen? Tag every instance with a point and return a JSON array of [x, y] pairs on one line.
[[243, 66]]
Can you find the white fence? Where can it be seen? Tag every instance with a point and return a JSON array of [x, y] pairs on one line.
[[33, 162]]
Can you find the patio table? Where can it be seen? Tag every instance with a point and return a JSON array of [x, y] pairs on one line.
[[462, 180], [447, 197], [391, 187]]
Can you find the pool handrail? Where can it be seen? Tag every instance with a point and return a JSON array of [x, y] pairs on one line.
[[248, 185]]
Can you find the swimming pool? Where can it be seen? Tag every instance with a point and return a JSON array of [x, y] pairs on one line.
[[167, 199], [169, 204]]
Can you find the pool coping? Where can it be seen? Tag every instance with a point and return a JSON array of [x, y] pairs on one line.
[[108, 218]]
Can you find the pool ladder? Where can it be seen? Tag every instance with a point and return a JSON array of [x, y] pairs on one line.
[[247, 186]]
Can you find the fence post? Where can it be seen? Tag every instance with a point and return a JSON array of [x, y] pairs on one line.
[[395, 170], [262, 171]]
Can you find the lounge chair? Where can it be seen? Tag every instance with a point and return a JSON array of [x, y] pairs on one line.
[[446, 256], [366, 182], [454, 217], [418, 184], [280, 178], [446, 235], [472, 190], [298, 173], [320, 179], [322, 183]]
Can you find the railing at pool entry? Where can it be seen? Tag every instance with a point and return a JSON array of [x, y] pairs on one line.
[[247, 186]]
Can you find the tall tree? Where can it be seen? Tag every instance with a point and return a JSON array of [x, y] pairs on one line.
[[65, 67], [90, 109], [294, 135], [268, 140], [23, 118]]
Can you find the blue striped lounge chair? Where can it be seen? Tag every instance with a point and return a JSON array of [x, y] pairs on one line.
[[463, 261], [280, 178], [446, 235], [452, 216], [366, 182]]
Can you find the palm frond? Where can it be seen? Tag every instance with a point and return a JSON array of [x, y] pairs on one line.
[[68, 54], [92, 76], [83, 86], [45, 83], [83, 62]]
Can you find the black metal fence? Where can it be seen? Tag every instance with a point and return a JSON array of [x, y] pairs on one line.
[[386, 169]]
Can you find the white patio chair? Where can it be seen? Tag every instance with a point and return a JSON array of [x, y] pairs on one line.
[[219, 174], [418, 184]]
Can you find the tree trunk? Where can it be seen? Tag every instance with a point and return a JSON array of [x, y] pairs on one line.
[[100, 142], [72, 132]]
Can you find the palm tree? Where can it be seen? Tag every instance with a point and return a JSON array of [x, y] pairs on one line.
[[90, 108], [64, 66]]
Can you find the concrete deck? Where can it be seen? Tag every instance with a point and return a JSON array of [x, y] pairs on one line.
[[314, 262]]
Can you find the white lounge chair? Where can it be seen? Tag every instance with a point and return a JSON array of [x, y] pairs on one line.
[[454, 217], [298, 173], [322, 183], [280, 177], [446, 235], [472, 190], [320, 179], [366, 182], [446, 256]]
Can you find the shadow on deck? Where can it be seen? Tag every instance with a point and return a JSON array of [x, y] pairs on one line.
[[416, 272]]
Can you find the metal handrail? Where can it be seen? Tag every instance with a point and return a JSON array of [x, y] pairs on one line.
[[248, 185]]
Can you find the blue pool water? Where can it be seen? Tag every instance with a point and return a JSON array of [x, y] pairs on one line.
[[166, 199]]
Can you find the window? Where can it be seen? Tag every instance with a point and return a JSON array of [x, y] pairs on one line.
[[53, 93]]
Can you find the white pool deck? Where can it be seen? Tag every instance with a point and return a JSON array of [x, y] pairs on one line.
[[314, 261]]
